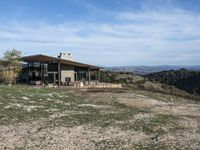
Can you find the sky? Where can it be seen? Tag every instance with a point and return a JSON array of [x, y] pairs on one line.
[[104, 32]]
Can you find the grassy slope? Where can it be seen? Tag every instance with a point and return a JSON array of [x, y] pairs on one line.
[[60, 107]]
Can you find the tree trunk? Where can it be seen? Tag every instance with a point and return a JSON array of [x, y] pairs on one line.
[[10, 77]]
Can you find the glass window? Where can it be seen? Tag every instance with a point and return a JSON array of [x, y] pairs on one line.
[[36, 64]]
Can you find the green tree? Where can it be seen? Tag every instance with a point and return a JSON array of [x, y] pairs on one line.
[[11, 65]]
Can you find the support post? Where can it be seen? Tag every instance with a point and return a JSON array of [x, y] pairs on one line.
[[89, 76], [76, 76], [99, 75], [54, 78], [96, 75], [28, 73], [40, 72], [59, 74]]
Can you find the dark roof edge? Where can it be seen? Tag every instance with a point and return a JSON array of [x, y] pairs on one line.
[[55, 58]]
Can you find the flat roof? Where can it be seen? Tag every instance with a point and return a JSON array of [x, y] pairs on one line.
[[45, 58]]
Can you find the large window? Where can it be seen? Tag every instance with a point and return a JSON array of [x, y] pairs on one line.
[[36, 64], [45, 69]]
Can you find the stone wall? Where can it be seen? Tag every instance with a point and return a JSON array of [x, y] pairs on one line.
[[97, 85], [67, 72]]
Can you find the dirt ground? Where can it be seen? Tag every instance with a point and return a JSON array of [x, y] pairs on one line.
[[117, 119], [159, 106]]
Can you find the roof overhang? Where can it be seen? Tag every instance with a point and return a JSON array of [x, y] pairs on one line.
[[45, 58]]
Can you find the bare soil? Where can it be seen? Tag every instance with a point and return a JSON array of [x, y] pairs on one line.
[[95, 119]]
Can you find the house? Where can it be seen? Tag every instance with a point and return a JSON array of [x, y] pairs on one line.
[[61, 70]]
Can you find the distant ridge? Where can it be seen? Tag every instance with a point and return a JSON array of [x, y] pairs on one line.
[[150, 69]]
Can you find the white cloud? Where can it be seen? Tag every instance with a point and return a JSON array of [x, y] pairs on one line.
[[140, 38]]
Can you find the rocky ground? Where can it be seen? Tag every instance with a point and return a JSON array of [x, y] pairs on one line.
[[47, 118]]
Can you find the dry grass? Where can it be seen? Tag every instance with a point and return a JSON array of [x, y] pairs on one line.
[[47, 118]]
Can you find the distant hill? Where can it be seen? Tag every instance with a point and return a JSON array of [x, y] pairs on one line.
[[139, 82], [149, 69], [183, 79], [184, 83]]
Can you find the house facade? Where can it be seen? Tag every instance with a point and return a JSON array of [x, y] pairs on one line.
[[61, 70]]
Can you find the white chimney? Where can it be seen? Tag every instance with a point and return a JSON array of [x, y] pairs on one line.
[[66, 56]]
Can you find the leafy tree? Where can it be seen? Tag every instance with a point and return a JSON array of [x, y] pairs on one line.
[[104, 76], [11, 66]]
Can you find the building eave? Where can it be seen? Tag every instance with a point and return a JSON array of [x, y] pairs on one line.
[[45, 58]]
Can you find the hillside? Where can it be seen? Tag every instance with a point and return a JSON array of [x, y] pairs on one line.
[[96, 119], [139, 82], [149, 69], [183, 79]]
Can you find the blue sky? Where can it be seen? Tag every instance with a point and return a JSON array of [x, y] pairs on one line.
[[104, 32]]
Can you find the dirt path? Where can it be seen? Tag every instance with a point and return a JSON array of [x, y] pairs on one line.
[[158, 106]]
